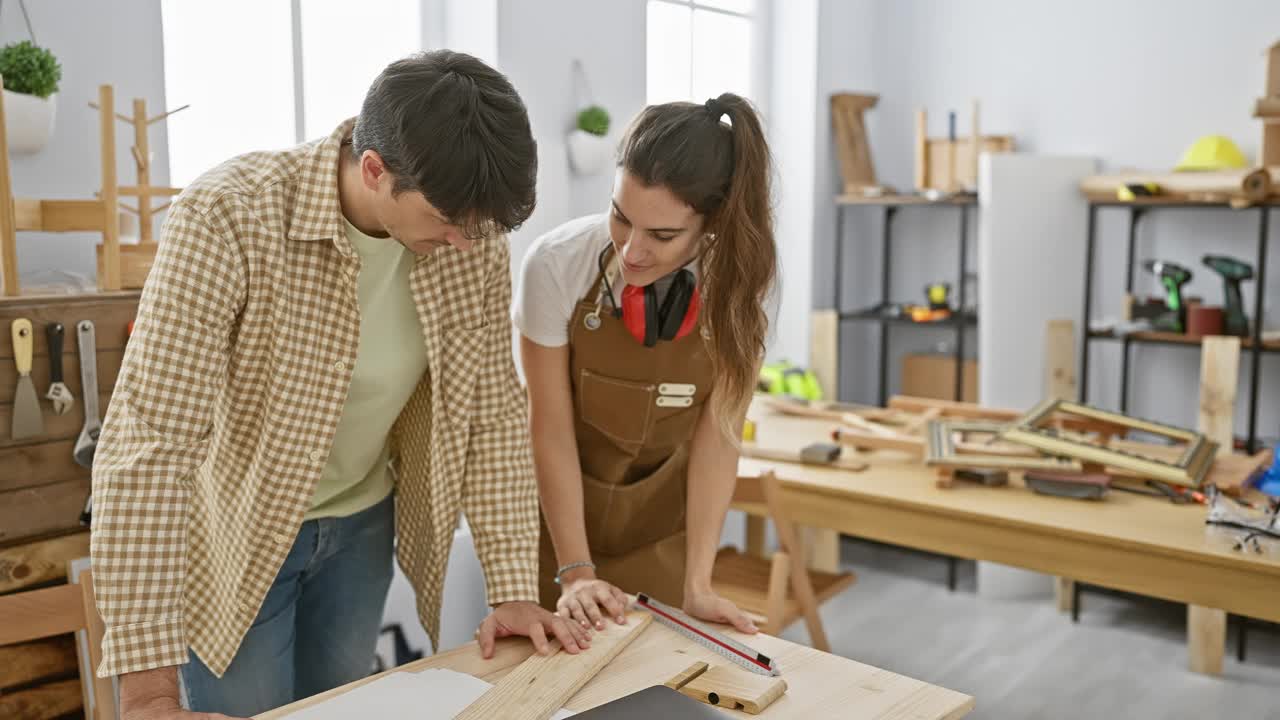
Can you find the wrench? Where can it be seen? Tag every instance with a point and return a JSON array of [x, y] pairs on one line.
[[58, 391]]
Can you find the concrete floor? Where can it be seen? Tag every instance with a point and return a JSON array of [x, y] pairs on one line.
[[1022, 659]]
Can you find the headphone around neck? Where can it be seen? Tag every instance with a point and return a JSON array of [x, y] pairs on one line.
[[645, 318]]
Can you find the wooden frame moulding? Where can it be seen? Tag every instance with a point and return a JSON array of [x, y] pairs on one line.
[[941, 449], [1035, 430]]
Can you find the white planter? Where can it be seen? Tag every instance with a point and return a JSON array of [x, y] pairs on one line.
[[28, 121], [589, 154]]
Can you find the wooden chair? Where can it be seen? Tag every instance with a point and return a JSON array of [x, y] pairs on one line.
[[37, 614], [777, 590]]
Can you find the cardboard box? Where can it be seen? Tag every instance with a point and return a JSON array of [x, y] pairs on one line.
[[934, 376]]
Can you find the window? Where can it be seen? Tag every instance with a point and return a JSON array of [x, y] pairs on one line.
[[698, 49], [265, 74]]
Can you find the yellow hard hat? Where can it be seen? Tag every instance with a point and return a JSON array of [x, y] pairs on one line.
[[1212, 152]]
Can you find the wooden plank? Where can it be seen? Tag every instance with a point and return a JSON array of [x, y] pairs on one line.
[[110, 314], [1219, 373], [756, 533], [109, 279], [1206, 639], [28, 213], [1060, 383], [56, 427], [950, 163], [69, 216], [47, 509], [135, 263], [1060, 360], [108, 368], [921, 173], [824, 350], [1251, 183], [822, 548], [728, 687], [38, 563], [8, 221], [45, 702], [541, 685], [30, 662], [37, 614], [37, 464]]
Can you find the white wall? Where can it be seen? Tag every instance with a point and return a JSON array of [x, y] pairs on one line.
[[792, 94], [537, 44], [1131, 83], [115, 43]]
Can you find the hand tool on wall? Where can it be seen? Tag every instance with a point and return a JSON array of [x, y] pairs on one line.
[[1172, 277], [27, 420], [1233, 272], [87, 443], [58, 392]]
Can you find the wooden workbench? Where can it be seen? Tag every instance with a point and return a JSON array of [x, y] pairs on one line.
[[1128, 542], [820, 685]]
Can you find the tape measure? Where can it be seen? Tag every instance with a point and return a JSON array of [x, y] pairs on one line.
[[716, 642]]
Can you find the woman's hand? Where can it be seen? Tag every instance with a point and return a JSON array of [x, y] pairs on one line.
[[707, 605], [583, 600]]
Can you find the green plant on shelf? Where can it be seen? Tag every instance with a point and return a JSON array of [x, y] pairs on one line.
[[29, 69], [594, 120]]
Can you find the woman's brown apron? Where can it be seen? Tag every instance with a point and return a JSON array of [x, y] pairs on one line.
[[635, 412]]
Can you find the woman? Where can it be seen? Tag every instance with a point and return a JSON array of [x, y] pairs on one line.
[[642, 334]]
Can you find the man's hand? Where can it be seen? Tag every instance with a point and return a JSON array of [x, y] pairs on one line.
[[707, 605], [529, 620], [153, 695]]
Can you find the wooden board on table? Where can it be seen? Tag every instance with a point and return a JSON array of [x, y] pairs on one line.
[[541, 685], [41, 562], [820, 685], [36, 511], [729, 687]]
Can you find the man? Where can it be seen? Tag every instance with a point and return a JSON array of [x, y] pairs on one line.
[[320, 367]]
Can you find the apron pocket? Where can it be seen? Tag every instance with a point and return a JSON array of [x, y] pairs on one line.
[[621, 409], [622, 518]]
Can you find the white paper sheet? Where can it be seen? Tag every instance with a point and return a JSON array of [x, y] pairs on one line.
[[428, 695]]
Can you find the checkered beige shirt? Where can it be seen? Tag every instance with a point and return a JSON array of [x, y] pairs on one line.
[[229, 397]]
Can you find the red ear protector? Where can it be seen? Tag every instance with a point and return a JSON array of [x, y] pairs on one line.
[[650, 321]]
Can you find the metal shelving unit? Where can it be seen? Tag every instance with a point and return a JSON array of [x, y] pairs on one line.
[[959, 321], [1254, 344]]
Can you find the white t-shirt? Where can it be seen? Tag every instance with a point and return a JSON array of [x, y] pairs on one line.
[[556, 273]]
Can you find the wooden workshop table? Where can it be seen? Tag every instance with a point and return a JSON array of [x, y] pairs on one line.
[[1128, 542], [819, 685]]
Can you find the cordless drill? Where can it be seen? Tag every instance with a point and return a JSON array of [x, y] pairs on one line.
[[1233, 272], [1172, 277]]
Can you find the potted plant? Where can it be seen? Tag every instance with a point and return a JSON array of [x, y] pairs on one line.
[[31, 75], [589, 146]]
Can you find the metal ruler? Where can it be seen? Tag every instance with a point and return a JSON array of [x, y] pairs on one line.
[[714, 641]]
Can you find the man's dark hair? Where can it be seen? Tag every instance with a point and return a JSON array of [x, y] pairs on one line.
[[454, 129]]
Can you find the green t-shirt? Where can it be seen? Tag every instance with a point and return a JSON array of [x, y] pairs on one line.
[[390, 361]]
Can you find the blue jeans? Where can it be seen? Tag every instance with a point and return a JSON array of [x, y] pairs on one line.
[[318, 626]]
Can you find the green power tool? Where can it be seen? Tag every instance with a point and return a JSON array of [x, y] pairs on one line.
[[1172, 277], [1233, 272]]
